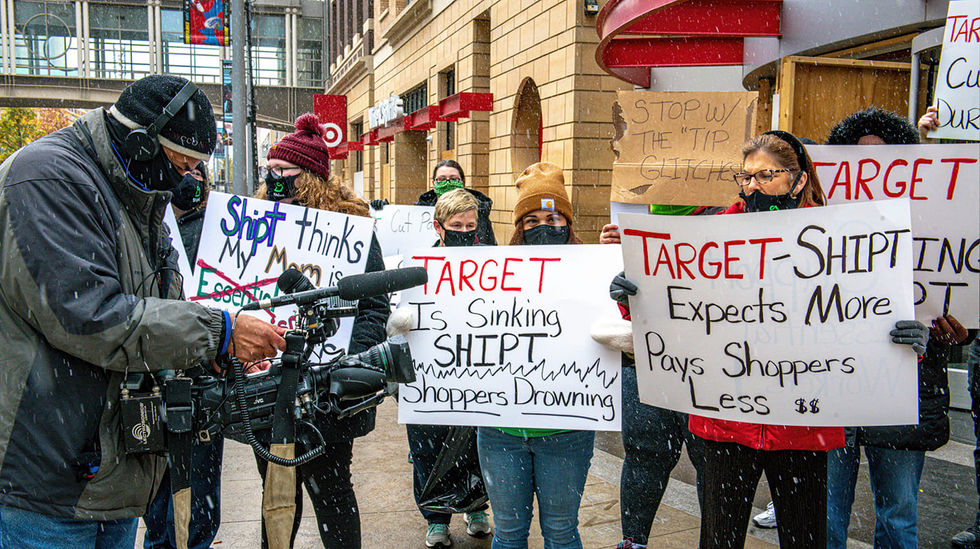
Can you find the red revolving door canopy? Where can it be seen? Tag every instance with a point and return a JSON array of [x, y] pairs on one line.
[[635, 35]]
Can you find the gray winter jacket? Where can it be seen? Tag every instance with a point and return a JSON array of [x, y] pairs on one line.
[[85, 296]]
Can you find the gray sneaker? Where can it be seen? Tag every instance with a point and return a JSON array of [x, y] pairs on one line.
[[477, 523], [437, 536], [967, 539], [766, 519]]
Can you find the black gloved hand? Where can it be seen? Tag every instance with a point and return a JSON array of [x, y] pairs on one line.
[[620, 288], [911, 332], [378, 205]]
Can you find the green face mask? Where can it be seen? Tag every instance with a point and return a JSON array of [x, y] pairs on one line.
[[443, 187]]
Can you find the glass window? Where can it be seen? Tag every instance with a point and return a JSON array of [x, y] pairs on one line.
[[269, 50], [415, 99], [198, 62], [119, 41], [309, 52], [45, 41]]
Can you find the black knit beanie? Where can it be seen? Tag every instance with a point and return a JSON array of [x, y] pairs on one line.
[[190, 132], [890, 127]]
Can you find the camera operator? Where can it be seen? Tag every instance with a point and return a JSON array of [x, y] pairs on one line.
[[299, 172], [88, 294]]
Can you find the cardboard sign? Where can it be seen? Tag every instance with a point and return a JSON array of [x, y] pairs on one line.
[[680, 148], [943, 184], [957, 87], [247, 243], [777, 317], [401, 229], [501, 338]]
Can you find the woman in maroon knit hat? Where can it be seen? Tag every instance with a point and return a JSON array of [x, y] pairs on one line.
[[299, 172]]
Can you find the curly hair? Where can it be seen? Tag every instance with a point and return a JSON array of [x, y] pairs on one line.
[[890, 127], [331, 195]]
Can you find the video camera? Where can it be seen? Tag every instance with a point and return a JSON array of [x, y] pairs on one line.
[[293, 389]]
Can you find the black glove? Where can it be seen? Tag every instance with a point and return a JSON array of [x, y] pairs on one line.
[[911, 332], [377, 205], [620, 289]]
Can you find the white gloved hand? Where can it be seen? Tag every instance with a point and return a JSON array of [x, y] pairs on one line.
[[400, 321], [615, 333]]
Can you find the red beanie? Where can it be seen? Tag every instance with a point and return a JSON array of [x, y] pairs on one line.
[[305, 147]]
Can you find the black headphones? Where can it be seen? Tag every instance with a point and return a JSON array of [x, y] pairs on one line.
[[141, 143]]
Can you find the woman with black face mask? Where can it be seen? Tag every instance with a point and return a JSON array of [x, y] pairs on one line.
[[521, 463], [543, 214]]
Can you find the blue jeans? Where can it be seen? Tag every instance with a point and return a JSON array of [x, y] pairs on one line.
[[20, 529], [205, 502], [553, 467], [652, 438], [895, 478]]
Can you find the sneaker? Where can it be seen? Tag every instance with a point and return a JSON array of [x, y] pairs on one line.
[[967, 539], [628, 544], [437, 536], [766, 519], [477, 523]]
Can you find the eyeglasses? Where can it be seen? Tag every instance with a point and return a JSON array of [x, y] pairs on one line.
[[764, 177], [445, 179], [279, 172]]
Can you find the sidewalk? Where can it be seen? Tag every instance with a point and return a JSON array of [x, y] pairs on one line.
[[389, 518]]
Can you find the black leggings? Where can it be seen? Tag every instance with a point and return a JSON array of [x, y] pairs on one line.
[[797, 480], [328, 483]]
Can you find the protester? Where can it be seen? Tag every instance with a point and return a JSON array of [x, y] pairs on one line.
[[87, 296], [896, 454], [189, 202], [448, 175], [455, 222], [299, 172], [652, 436], [970, 538], [793, 458], [550, 463]]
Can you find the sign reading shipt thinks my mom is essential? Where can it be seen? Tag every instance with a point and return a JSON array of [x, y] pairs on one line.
[[247, 243], [778, 317], [501, 338]]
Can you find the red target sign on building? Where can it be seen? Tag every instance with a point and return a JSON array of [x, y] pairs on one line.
[[331, 110]]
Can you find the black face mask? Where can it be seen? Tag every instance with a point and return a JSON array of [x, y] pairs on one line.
[[759, 202], [189, 194], [279, 188], [546, 234], [157, 173], [458, 238]]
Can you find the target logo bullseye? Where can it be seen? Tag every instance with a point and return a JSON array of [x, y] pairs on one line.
[[332, 134]]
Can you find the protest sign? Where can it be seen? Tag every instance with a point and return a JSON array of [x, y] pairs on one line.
[[404, 228], [183, 265], [247, 243], [777, 317], [957, 84], [943, 184], [501, 338], [678, 147]]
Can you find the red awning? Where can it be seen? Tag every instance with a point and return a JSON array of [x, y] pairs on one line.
[[452, 108], [635, 35]]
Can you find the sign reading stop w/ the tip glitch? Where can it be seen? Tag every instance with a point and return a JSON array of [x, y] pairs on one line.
[[775, 317]]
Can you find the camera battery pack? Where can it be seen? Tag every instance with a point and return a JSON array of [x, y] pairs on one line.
[[143, 428]]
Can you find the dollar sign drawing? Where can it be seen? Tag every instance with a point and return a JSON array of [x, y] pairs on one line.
[[813, 405], [801, 405]]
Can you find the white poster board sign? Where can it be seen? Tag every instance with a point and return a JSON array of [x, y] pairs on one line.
[[754, 318], [957, 90], [183, 266], [501, 338], [247, 243], [943, 184], [402, 229]]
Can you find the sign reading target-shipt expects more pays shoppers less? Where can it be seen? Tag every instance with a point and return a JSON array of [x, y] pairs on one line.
[[761, 318]]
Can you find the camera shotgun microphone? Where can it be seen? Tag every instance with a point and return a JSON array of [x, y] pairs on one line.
[[350, 288]]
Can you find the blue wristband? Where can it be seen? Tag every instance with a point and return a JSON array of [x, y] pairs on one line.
[[224, 344]]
